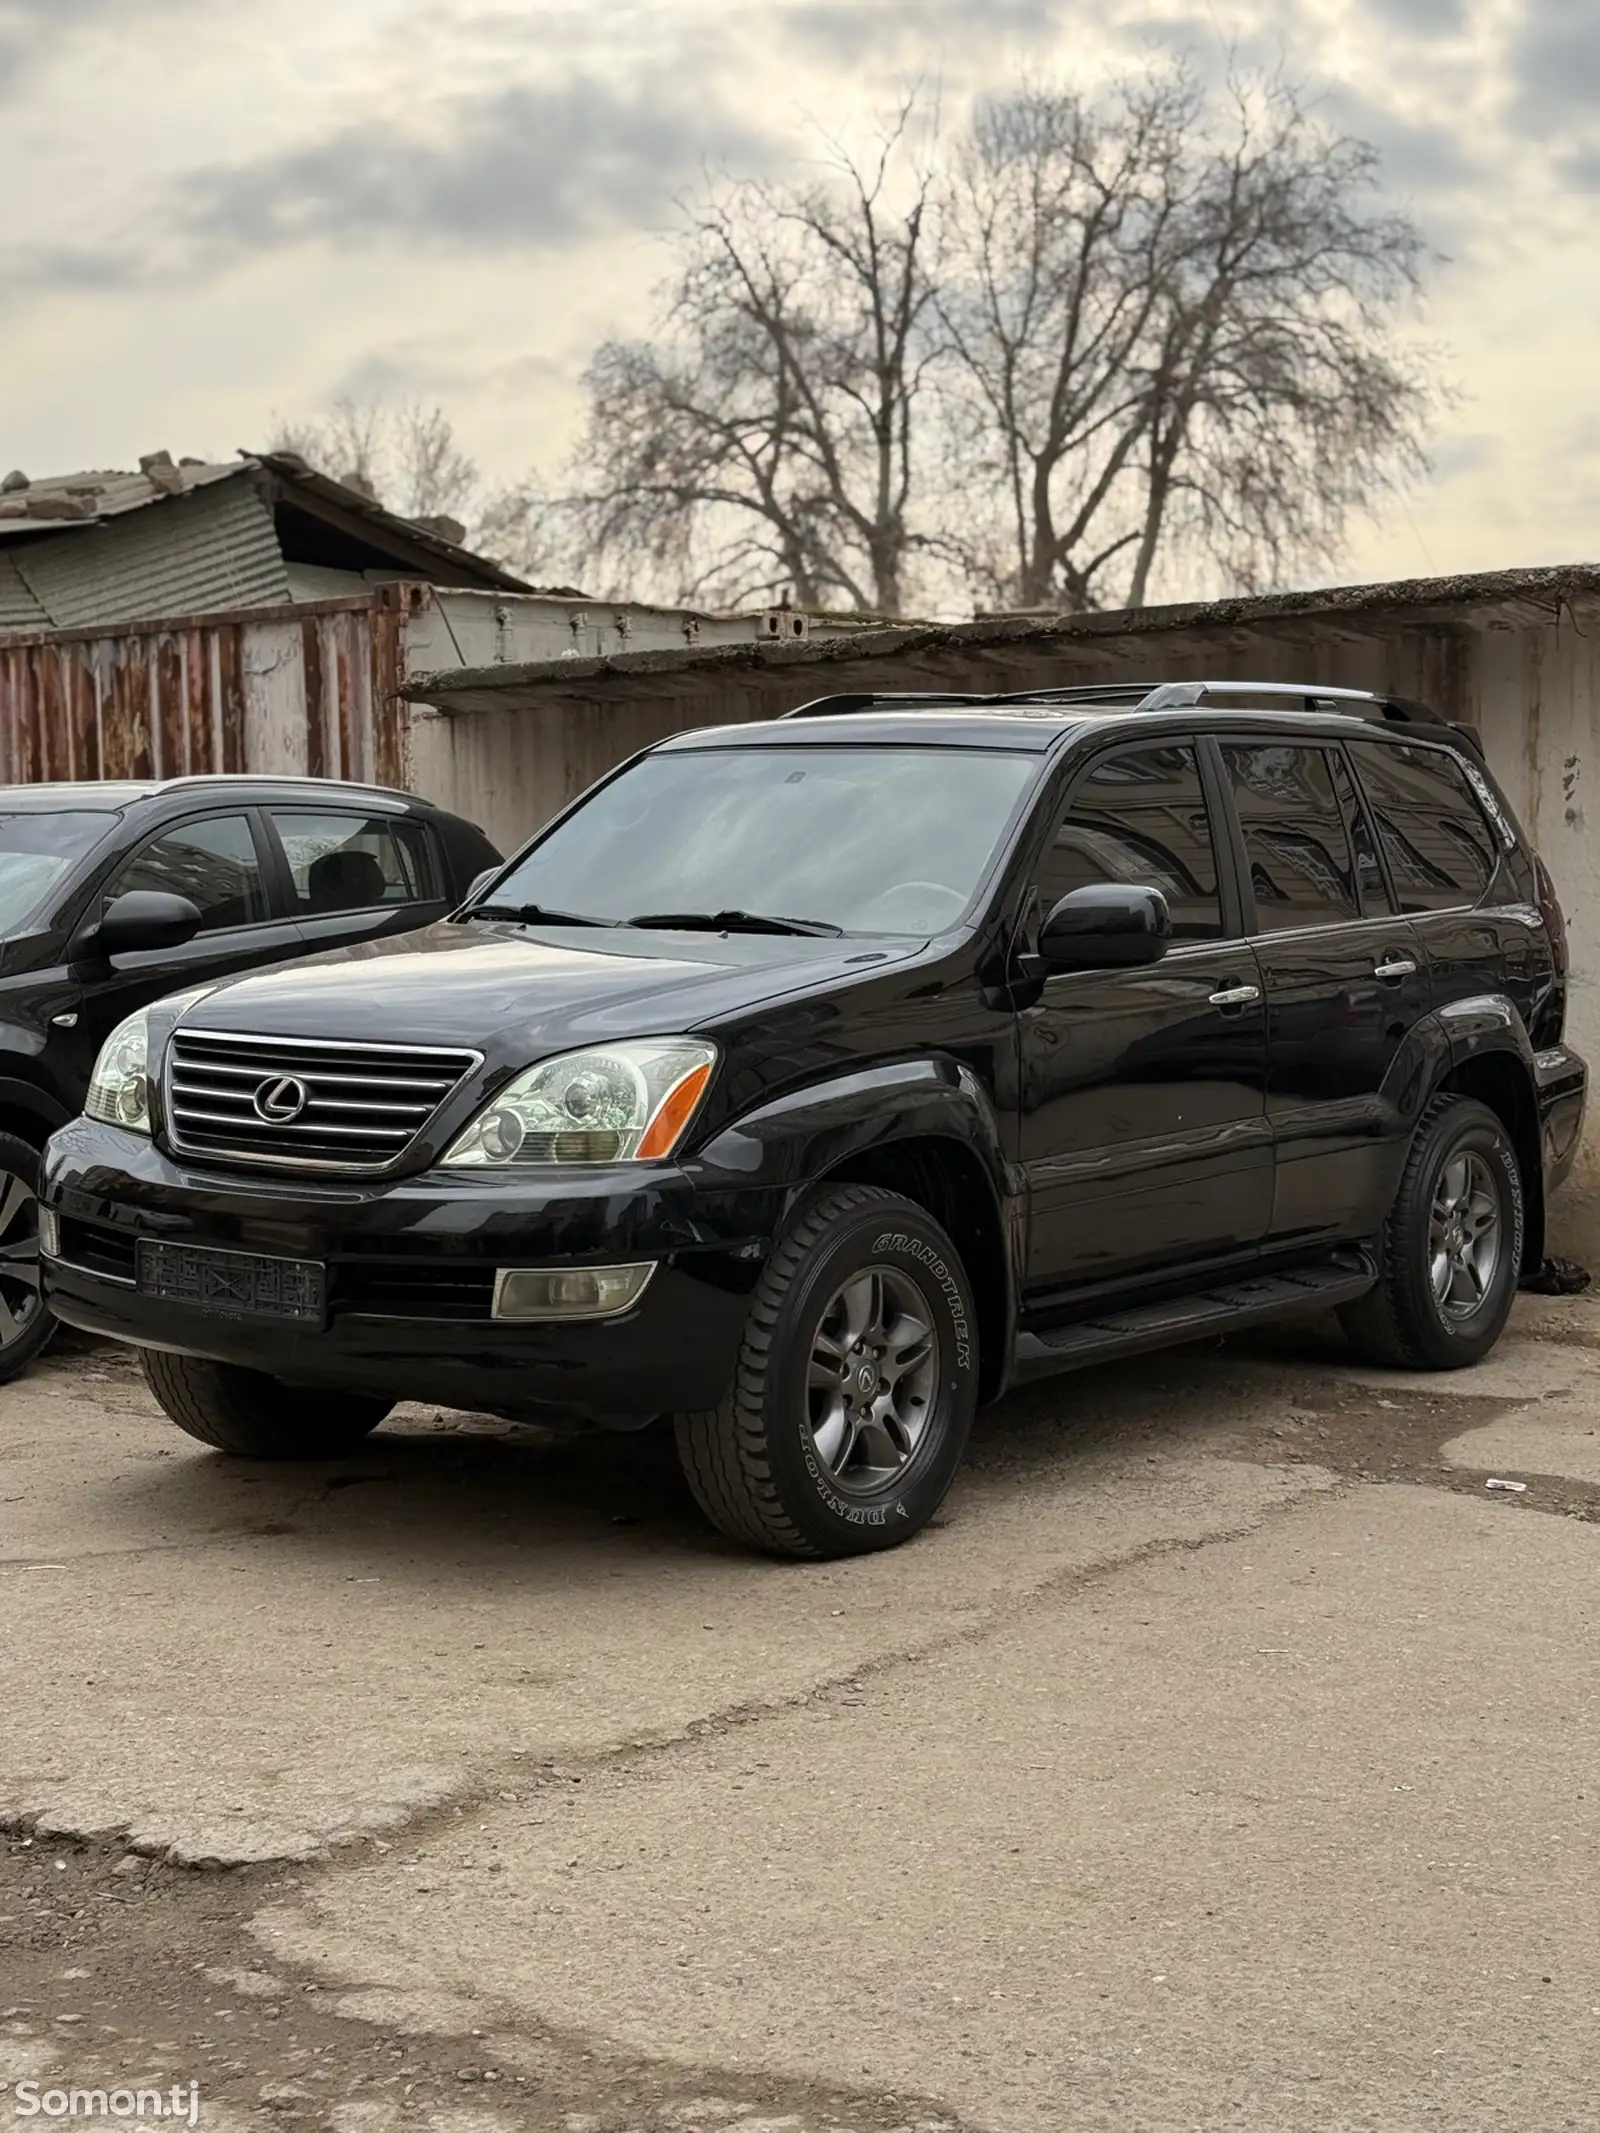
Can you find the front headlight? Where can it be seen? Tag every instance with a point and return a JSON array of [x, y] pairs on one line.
[[119, 1090], [616, 1104]]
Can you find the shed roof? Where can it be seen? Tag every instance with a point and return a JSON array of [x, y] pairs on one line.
[[925, 653], [192, 537]]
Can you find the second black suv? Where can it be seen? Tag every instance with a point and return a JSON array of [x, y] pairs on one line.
[[811, 1081]]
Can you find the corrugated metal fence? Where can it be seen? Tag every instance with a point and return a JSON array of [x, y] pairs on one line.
[[309, 689]]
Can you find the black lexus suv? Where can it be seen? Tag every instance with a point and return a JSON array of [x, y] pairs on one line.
[[808, 1082]]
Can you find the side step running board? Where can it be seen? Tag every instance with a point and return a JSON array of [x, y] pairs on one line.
[[1225, 1309]]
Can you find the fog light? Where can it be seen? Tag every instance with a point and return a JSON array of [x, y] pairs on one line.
[[49, 1233], [568, 1292]]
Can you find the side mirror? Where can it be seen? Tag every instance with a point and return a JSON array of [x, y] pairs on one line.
[[140, 920], [1110, 925], [478, 884]]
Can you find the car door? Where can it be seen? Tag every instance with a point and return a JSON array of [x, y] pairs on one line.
[[1142, 1126], [353, 875], [1345, 985], [1454, 871], [222, 863]]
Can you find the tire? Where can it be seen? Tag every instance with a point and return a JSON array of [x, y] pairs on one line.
[[257, 1417], [26, 1324], [1462, 1158], [786, 1464]]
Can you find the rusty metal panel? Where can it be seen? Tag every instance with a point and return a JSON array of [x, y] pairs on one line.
[[304, 690], [125, 712], [199, 754], [316, 710], [275, 694], [230, 696], [55, 734], [345, 761], [84, 717], [390, 717]]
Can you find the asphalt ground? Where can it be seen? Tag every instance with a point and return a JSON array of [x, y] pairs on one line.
[[1224, 1756]]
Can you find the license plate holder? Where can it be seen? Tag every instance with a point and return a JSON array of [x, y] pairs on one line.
[[233, 1284]]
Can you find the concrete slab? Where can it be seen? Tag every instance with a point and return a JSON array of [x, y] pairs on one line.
[[233, 1663], [1284, 1833], [1534, 1441]]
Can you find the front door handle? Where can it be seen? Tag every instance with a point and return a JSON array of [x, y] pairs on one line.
[[1236, 996], [1395, 966]]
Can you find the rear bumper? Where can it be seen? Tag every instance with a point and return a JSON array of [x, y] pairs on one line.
[[410, 1273], [1561, 1083]]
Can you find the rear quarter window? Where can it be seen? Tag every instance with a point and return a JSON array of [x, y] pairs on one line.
[[1441, 848]]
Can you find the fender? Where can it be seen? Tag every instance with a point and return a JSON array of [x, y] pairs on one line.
[[1419, 1065], [1487, 1022], [34, 1103], [790, 1142], [1488, 1026]]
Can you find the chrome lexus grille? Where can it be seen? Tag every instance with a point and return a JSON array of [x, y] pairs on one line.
[[302, 1101]]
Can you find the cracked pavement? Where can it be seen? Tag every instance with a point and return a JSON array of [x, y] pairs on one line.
[[1223, 1756]]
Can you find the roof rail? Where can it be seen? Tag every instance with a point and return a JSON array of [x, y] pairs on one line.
[[870, 700], [1133, 693], [1176, 695], [1142, 696]]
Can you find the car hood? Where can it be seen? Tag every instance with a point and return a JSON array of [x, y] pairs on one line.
[[531, 991]]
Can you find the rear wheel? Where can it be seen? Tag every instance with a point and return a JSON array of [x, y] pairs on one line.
[[25, 1324], [255, 1416], [1452, 1247], [855, 1387]]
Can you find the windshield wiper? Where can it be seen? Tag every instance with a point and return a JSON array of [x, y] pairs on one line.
[[535, 915], [731, 922]]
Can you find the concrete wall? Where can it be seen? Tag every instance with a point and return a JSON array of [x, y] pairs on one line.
[[452, 628], [511, 769]]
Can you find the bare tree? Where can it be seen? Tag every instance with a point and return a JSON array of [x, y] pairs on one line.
[[406, 456], [1172, 332], [765, 443], [1062, 221]]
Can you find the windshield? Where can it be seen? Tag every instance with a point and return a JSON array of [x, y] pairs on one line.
[[36, 851], [866, 840]]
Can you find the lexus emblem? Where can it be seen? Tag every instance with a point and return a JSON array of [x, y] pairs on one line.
[[281, 1101]]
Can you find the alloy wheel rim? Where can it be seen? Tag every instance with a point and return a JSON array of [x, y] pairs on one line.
[[20, 1297], [1465, 1235], [872, 1380]]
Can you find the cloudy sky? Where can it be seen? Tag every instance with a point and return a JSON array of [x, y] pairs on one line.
[[218, 212]]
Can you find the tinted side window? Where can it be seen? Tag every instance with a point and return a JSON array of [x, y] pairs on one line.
[[1440, 849], [1369, 875], [213, 863], [352, 862], [1140, 816], [1294, 834]]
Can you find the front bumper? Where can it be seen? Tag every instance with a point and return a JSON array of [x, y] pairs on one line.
[[411, 1267], [1561, 1083]]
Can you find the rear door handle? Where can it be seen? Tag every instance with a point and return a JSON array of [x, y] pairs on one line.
[[1236, 996], [1395, 966]]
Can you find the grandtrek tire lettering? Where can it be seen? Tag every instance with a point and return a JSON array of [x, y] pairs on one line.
[[754, 1464], [897, 1241]]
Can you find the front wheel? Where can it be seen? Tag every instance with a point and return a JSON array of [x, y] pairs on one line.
[[1452, 1247], [257, 1417], [25, 1321], [855, 1386]]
